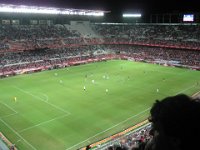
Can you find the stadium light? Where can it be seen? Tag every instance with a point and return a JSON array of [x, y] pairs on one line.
[[132, 15], [7, 8]]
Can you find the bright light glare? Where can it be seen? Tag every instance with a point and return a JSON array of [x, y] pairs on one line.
[[47, 10], [132, 15], [188, 17]]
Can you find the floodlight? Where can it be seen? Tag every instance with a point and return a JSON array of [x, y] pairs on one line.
[[132, 15], [48, 10]]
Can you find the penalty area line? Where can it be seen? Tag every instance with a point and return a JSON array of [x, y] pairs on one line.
[[8, 107], [8, 115], [184, 90], [15, 112], [18, 134], [28, 93], [23, 130]]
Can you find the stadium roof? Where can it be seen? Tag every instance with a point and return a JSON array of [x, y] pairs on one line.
[[115, 8], [125, 6], [49, 10]]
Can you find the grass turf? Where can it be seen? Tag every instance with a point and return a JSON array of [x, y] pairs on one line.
[[53, 111]]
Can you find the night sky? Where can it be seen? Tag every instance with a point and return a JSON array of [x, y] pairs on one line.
[[117, 7]]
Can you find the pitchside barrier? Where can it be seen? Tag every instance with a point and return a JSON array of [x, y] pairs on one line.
[[103, 57], [7, 142], [117, 135]]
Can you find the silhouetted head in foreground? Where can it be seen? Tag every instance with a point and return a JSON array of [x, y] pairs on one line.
[[175, 124]]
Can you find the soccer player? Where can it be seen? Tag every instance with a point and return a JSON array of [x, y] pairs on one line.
[[15, 99], [106, 90], [157, 90], [84, 88]]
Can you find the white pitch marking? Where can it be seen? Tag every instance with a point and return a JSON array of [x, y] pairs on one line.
[[109, 128], [119, 123], [8, 115], [185, 90], [8, 106], [18, 135], [61, 109], [43, 123]]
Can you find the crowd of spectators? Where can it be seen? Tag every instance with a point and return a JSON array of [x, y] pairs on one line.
[[171, 35], [29, 45], [135, 140], [183, 57], [30, 32], [4, 46], [23, 37], [48, 57], [11, 62]]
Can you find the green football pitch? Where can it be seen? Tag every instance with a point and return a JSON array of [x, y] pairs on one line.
[[52, 111]]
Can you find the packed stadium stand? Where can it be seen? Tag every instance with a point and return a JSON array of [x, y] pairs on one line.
[[35, 46]]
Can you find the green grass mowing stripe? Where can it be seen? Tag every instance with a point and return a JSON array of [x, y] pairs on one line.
[[8, 107], [42, 123], [32, 147], [109, 128], [184, 90], [8, 113], [59, 108], [87, 140], [92, 111]]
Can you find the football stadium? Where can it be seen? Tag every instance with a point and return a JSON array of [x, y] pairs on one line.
[[69, 80]]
